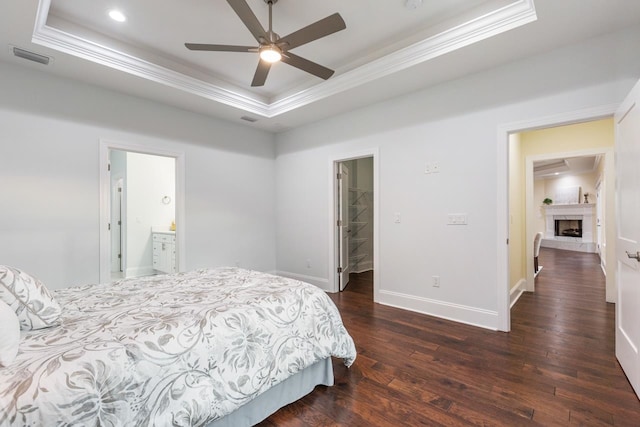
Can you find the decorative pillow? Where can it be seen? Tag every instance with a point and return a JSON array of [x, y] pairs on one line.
[[10, 335], [29, 299]]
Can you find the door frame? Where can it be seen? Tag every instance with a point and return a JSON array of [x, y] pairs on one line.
[[502, 214], [343, 232], [119, 180], [334, 160], [600, 213], [106, 145]]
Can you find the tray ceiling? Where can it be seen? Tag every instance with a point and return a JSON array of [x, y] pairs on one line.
[[387, 49], [381, 38]]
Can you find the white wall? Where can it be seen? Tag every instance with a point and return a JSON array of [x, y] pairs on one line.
[[539, 194], [49, 177], [517, 240], [455, 124]]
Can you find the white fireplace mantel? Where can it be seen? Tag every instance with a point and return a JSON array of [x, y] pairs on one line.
[[575, 209]]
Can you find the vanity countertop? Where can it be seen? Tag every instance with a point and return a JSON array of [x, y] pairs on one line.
[[162, 230]]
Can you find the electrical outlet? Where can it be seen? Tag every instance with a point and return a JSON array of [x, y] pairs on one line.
[[237, 263], [308, 263], [435, 280], [396, 217]]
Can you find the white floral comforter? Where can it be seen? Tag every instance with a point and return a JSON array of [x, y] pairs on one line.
[[179, 349]]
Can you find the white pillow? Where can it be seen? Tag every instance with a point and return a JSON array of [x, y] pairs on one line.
[[29, 299], [10, 333]]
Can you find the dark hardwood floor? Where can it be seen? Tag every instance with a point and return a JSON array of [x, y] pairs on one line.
[[556, 367]]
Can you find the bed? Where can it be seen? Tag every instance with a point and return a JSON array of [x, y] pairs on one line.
[[211, 347]]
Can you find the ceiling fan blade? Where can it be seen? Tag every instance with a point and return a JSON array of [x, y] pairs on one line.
[[261, 73], [306, 65], [220, 47], [249, 19], [324, 27]]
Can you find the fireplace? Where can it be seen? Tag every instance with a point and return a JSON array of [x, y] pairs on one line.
[[568, 227]]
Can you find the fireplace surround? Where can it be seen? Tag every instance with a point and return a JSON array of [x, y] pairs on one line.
[[570, 227]]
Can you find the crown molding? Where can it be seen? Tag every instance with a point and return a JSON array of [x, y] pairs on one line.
[[493, 23], [86, 49], [481, 28]]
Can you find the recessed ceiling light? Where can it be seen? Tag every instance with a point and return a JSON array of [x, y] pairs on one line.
[[116, 15]]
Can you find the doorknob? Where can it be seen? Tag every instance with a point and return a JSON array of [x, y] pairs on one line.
[[635, 256]]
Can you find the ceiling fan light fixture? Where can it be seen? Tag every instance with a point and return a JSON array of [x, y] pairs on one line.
[[270, 54], [273, 48]]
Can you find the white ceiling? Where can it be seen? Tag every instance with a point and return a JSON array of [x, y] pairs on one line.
[[545, 169], [386, 50]]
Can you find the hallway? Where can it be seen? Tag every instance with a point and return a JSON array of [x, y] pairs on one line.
[[569, 332]]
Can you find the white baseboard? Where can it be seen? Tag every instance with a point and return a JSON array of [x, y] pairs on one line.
[[140, 271], [516, 291], [320, 282], [458, 313]]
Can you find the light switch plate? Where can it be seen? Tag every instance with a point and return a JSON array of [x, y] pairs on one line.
[[431, 167], [396, 217], [457, 219]]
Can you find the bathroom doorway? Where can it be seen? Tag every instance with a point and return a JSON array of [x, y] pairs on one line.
[[141, 212]]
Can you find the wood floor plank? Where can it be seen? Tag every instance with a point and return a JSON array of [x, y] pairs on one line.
[[557, 366]]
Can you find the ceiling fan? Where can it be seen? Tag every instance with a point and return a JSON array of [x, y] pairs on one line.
[[273, 48]]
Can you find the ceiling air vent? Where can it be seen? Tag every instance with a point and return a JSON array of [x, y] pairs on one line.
[[31, 56], [248, 119]]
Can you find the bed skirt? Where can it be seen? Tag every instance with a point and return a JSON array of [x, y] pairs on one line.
[[282, 394]]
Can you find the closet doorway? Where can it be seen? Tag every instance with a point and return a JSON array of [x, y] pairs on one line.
[[354, 228]]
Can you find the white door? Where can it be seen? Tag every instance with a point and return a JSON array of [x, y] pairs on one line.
[[343, 225], [116, 226], [627, 121]]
